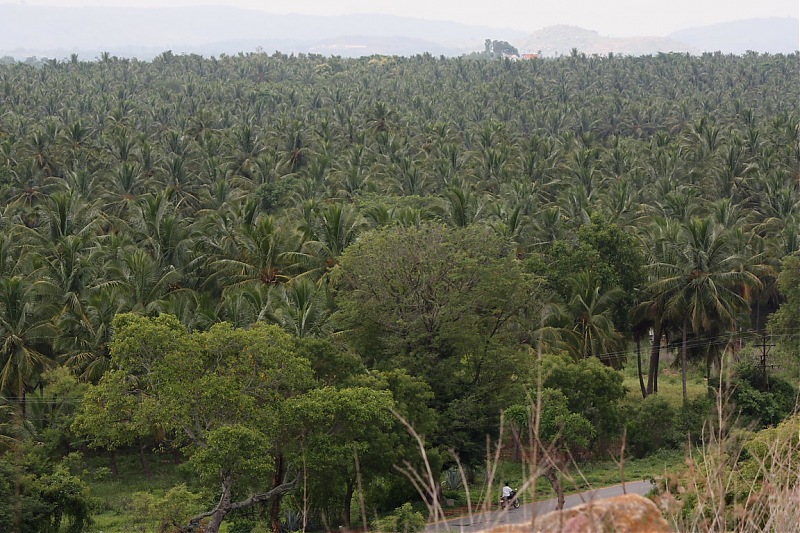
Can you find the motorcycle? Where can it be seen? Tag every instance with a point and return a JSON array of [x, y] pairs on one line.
[[512, 502]]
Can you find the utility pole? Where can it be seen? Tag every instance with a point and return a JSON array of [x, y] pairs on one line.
[[764, 353]]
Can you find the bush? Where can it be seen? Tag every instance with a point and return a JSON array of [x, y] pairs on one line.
[[652, 425], [762, 401], [47, 502], [385, 493], [404, 519], [175, 507], [459, 497], [744, 482], [592, 390], [692, 417]]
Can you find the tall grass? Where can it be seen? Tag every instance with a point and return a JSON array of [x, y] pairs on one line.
[[736, 479]]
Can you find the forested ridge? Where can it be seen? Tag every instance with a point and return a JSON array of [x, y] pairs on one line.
[[257, 258]]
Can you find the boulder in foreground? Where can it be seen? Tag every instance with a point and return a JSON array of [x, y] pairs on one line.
[[630, 513]]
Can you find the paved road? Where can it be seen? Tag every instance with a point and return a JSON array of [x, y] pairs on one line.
[[526, 512]]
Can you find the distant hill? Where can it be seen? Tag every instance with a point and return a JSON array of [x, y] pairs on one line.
[[561, 39], [770, 35], [360, 45], [54, 32], [208, 30]]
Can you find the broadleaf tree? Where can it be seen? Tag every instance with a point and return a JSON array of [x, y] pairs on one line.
[[219, 394]]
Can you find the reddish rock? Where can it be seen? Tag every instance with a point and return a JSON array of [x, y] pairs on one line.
[[630, 513]]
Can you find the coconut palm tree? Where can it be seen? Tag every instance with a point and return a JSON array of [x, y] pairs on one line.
[[333, 227], [592, 332], [701, 284], [265, 251], [304, 308], [26, 335]]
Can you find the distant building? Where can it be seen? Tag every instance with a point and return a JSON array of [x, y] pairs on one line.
[[530, 56]]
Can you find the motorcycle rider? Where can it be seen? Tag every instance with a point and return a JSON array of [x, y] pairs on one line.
[[507, 491]]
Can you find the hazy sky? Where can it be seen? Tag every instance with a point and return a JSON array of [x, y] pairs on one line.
[[609, 17]]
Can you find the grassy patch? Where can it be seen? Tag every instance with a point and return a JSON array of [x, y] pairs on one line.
[[604, 473], [669, 380], [113, 494]]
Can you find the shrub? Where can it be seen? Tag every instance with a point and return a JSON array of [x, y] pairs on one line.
[[745, 484], [592, 390], [385, 493], [46, 502], [173, 509], [652, 425], [692, 417], [452, 479], [403, 520], [292, 521], [759, 399]]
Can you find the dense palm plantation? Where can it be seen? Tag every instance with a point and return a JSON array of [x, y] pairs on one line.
[[231, 189]]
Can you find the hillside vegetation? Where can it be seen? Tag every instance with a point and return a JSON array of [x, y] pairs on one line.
[[268, 269]]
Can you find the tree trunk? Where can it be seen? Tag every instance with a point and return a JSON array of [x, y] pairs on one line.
[[517, 457], [639, 364], [552, 476], [655, 353], [226, 505], [23, 403], [222, 508], [348, 502], [275, 506], [112, 463], [148, 474], [684, 347]]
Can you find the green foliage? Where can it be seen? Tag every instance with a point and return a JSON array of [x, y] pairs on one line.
[[227, 189], [403, 520], [785, 322], [592, 390], [774, 444], [652, 425], [614, 258], [754, 473], [343, 431], [445, 304], [53, 408], [112, 493], [332, 365], [234, 448], [385, 492], [32, 512], [234, 381], [693, 417], [109, 418], [50, 500], [169, 511], [68, 497], [274, 195], [765, 400], [499, 48], [292, 521], [404, 287], [558, 426], [452, 479]]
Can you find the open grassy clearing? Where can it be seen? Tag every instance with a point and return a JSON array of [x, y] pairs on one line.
[[669, 378]]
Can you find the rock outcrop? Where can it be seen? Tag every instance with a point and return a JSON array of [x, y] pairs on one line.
[[630, 513]]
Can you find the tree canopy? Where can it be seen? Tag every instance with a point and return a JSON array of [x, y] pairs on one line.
[[404, 226]]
